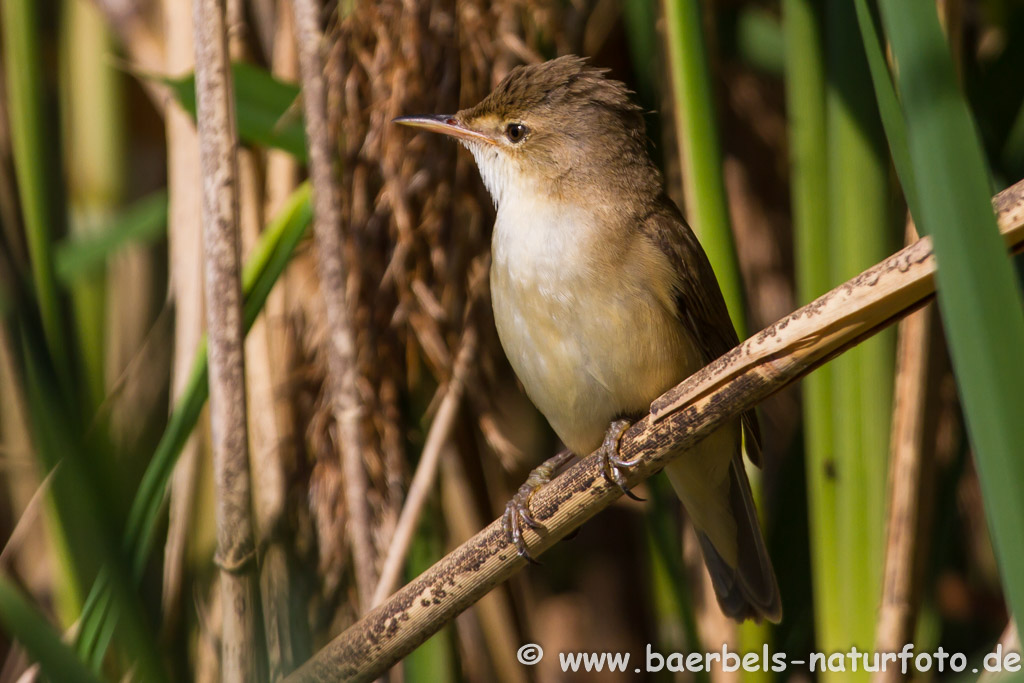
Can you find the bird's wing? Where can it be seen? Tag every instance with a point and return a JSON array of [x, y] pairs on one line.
[[700, 306]]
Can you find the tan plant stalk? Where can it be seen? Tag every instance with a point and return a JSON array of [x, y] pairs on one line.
[[207, 657], [910, 485], [904, 556], [762, 365], [10, 215], [268, 417], [287, 637], [185, 248], [341, 361], [218, 141], [282, 168], [264, 15], [265, 426]]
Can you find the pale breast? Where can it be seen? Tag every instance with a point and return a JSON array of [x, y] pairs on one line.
[[590, 337]]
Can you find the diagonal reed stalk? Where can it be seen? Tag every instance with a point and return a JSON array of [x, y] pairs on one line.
[[760, 366]]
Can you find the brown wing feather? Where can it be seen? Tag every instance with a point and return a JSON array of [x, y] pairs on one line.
[[700, 306]]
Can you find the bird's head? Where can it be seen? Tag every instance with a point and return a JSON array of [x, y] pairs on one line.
[[559, 127]]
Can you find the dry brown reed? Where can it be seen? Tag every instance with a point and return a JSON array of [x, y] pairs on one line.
[[236, 551]]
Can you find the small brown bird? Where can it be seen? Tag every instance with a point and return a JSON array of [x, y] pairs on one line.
[[603, 297]]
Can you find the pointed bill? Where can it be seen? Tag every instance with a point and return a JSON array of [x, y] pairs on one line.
[[446, 124]]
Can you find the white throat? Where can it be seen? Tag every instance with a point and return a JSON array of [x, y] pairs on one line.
[[495, 170], [540, 242]]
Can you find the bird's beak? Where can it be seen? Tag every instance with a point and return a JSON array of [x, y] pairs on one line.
[[445, 123]]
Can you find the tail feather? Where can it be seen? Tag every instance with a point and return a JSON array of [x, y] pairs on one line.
[[749, 590], [712, 485]]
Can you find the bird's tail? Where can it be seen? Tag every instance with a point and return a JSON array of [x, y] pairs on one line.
[[730, 536], [748, 590]]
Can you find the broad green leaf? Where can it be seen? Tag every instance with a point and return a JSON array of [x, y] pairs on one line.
[[268, 111], [978, 294]]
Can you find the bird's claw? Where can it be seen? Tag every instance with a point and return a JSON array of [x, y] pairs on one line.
[[613, 465], [517, 514], [517, 511]]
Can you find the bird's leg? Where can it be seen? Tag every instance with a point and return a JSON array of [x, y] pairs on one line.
[[517, 511], [612, 463]]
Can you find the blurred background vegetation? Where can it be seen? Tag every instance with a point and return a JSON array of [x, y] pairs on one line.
[[796, 156]]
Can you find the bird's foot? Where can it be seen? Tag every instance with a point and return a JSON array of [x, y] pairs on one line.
[[517, 511], [612, 463]]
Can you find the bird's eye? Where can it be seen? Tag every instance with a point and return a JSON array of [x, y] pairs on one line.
[[515, 132]]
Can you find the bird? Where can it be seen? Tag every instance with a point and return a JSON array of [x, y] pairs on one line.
[[603, 298]]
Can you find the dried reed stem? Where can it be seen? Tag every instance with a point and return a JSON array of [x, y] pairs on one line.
[[746, 375], [217, 143], [426, 470], [185, 249], [272, 438], [268, 418], [282, 172], [266, 423], [905, 549], [341, 360]]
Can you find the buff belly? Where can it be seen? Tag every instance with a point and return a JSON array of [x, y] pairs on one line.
[[594, 344]]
